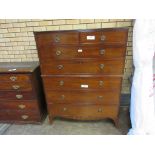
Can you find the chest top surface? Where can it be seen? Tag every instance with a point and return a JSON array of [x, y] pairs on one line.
[[18, 67]]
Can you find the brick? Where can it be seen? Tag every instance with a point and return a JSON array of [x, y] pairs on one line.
[[11, 20], [6, 25], [11, 44], [26, 29], [18, 47], [2, 21], [50, 28], [32, 23], [66, 27], [14, 29], [87, 21], [4, 40], [80, 26], [93, 26], [123, 24], [3, 30], [19, 25], [59, 22], [30, 47], [9, 35], [39, 28], [20, 56], [22, 34], [108, 25], [73, 21], [45, 23]]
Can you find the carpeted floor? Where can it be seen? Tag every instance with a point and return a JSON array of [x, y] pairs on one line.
[[66, 127]]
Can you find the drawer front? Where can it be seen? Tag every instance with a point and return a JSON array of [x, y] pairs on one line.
[[22, 86], [116, 37], [85, 112], [25, 116], [82, 83], [57, 38], [14, 77], [84, 97], [16, 95], [79, 52], [114, 67], [19, 105]]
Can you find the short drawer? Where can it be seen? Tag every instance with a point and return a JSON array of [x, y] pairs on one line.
[[57, 38], [82, 83], [113, 67], [18, 86], [81, 52], [14, 77], [83, 112], [83, 97], [19, 105], [26, 116], [11, 95], [115, 36]]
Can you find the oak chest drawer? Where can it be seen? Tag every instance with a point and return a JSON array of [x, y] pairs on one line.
[[84, 97], [31, 105], [14, 78], [19, 86], [83, 112], [82, 83], [114, 67], [81, 52], [20, 116]]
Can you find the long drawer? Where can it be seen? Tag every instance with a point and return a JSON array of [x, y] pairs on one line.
[[82, 97], [14, 77], [11, 95], [82, 83], [113, 67], [80, 52], [19, 105], [22, 86], [26, 116], [83, 111]]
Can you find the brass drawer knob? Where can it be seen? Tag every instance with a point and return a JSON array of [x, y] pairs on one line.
[[60, 66], [61, 83], [64, 109], [100, 110], [24, 117], [101, 66], [102, 52], [19, 96], [58, 53], [57, 39], [100, 97], [101, 83], [15, 87], [62, 97], [13, 78], [22, 106], [103, 37]]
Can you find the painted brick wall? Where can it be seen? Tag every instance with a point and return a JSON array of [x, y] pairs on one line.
[[17, 41]]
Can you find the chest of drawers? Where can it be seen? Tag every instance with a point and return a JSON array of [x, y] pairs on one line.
[[82, 72], [21, 94]]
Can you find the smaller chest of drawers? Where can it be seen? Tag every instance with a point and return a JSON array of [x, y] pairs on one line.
[[21, 94]]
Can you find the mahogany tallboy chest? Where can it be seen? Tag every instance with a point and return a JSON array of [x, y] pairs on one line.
[[21, 93], [82, 72]]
